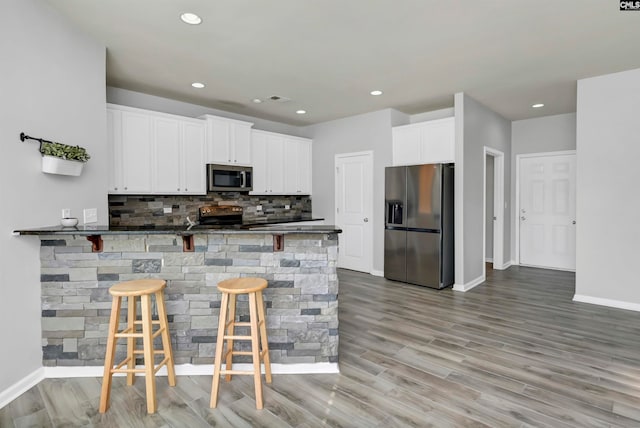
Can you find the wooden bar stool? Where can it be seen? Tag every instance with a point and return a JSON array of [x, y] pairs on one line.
[[143, 289], [230, 288]]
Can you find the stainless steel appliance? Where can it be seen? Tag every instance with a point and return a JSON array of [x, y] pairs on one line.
[[220, 215], [418, 236], [229, 178]]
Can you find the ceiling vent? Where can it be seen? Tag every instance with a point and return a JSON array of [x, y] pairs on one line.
[[278, 99]]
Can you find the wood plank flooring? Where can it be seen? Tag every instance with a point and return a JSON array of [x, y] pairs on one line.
[[515, 351]]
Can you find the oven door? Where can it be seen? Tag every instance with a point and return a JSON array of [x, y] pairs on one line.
[[226, 178]]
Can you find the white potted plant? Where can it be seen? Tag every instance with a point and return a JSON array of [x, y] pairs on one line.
[[58, 158]]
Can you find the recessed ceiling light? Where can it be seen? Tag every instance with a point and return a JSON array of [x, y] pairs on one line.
[[301, 111], [257, 100], [190, 18], [376, 92], [538, 105], [197, 85]]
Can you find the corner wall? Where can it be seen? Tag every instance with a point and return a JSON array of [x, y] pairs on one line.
[[53, 87], [608, 177], [476, 127], [370, 131]]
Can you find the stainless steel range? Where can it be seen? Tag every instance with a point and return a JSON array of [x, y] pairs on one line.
[[220, 215]]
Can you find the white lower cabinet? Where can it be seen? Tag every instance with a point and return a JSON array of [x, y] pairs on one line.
[[281, 164], [425, 142], [155, 153]]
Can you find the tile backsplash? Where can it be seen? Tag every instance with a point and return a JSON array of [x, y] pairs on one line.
[[140, 210]]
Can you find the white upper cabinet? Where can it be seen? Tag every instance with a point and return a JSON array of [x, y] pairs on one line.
[[425, 142], [297, 162], [228, 141], [281, 164], [194, 175], [155, 153], [129, 140]]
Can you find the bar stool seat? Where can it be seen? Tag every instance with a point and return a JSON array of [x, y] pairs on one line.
[[230, 288], [141, 289]]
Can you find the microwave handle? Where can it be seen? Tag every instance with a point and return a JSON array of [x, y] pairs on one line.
[[243, 174]]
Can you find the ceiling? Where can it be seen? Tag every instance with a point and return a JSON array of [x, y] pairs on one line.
[[327, 55]]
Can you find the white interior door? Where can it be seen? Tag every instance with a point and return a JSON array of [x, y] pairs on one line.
[[354, 193], [547, 211]]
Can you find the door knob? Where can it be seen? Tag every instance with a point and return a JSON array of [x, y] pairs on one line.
[[523, 218], [366, 220]]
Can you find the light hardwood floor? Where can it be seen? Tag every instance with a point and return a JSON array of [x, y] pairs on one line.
[[515, 351]]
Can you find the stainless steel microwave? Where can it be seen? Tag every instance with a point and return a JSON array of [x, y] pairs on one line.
[[229, 178]]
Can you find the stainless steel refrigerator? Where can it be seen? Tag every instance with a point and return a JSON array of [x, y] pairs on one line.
[[418, 236]]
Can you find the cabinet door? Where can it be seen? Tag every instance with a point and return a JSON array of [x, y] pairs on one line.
[[438, 141], [114, 147], [275, 163], [136, 152], [406, 145], [167, 156], [241, 144], [291, 167], [259, 151], [304, 168], [220, 131], [193, 162]]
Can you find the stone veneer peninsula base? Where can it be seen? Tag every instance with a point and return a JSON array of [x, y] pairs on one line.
[[301, 298]]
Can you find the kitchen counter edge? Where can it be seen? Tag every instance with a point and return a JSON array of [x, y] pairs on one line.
[[285, 228]]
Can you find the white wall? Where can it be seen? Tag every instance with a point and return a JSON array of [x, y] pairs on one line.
[[608, 179], [52, 86], [431, 115], [476, 127], [370, 131], [539, 135], [151, 102]]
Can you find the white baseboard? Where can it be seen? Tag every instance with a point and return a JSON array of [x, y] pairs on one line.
[[507, 265], [20, 387], [469, 285], [377, 272], [489, 260], [607, 302], [194, 370]]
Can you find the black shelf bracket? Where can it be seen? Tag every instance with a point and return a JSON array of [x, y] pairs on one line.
[[24, 136]]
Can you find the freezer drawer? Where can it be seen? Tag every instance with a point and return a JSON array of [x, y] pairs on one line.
[[423, 259], [395, 242]]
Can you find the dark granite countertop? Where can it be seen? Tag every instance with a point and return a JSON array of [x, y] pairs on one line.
[[253, 227]]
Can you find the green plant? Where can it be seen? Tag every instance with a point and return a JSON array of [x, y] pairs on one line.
[[65, 151]]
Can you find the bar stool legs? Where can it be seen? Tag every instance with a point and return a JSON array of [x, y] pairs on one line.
[[142, 289], [258, 336]]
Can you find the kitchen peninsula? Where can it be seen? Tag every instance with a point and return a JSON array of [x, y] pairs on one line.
[[79, 264]]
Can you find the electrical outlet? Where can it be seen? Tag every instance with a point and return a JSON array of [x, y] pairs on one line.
[[66, 213], [167, 210], [90, 215], [258, 207], [287, 207]]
